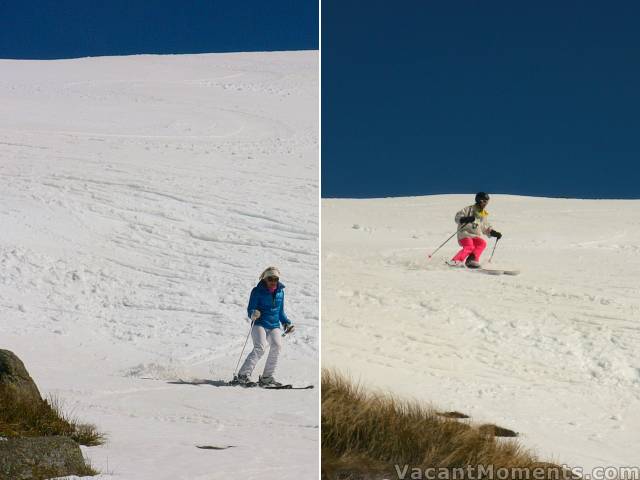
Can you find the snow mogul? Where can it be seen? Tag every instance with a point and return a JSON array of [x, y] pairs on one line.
[[266, 312], [473, 224]]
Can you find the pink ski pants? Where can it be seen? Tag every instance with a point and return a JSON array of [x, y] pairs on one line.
[[475, 245]]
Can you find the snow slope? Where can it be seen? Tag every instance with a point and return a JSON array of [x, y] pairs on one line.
[[140, 198], [552, 353]]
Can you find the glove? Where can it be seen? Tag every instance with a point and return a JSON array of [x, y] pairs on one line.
[[468, 219], [289, 329], [255, 315], [493, 233]]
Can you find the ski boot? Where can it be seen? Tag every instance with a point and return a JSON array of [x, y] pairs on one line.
[[242, 380], [471, 262], [455, 263], [268, 382]]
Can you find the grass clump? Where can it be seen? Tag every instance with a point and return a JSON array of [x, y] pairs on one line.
[[366, 435], [52, 472], [28, 417]]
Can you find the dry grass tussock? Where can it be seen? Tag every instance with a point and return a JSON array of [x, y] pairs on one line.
[[365, 434], [20, 417], [47, 473]]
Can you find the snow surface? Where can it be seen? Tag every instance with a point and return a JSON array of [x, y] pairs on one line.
[[140, 199], [552, 353]]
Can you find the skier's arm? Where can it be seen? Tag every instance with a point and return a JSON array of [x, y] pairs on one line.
[[463, 216], [283, 316], [253, 303]]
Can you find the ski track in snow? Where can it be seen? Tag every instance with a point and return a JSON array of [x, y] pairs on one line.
[[551, 353], [141, 197]]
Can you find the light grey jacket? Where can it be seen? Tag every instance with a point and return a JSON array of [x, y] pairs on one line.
[[478, 227]]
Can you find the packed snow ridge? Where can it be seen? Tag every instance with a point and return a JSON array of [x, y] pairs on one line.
[[141, 198], [552, 353]]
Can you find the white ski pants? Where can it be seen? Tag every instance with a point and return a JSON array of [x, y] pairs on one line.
[[261, 339]]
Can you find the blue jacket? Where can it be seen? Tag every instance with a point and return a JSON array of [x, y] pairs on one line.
[[270, 305]]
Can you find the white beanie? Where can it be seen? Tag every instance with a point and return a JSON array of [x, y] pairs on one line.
[[270, 272]]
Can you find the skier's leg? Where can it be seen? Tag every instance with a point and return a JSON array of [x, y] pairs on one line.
[[274, 338], [467, 248], [259, 337], [479, 244]]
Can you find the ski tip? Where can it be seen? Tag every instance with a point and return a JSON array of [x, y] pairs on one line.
[[492, 272]]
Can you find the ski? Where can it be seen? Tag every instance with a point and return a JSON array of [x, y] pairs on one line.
[[488, 271], [286, 387], [244, 385], [493, 271]]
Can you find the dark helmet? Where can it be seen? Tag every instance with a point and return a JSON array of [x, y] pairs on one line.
[[481, 196]]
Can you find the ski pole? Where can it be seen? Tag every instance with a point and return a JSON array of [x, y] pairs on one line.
[[243, 347], [494, 249], [447, 240]]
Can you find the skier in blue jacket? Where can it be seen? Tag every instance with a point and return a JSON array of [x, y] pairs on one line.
[[266, 311]]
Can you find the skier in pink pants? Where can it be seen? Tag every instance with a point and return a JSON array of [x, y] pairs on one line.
[[473, 224]]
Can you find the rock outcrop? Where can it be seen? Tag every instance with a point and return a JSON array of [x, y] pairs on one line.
[[14, 375], [32, 458]]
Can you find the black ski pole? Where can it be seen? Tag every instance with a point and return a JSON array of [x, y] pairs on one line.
[[494, 249], [447, 240]]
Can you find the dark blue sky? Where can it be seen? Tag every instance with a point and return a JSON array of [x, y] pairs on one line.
[[532, 98], [50, 29]]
